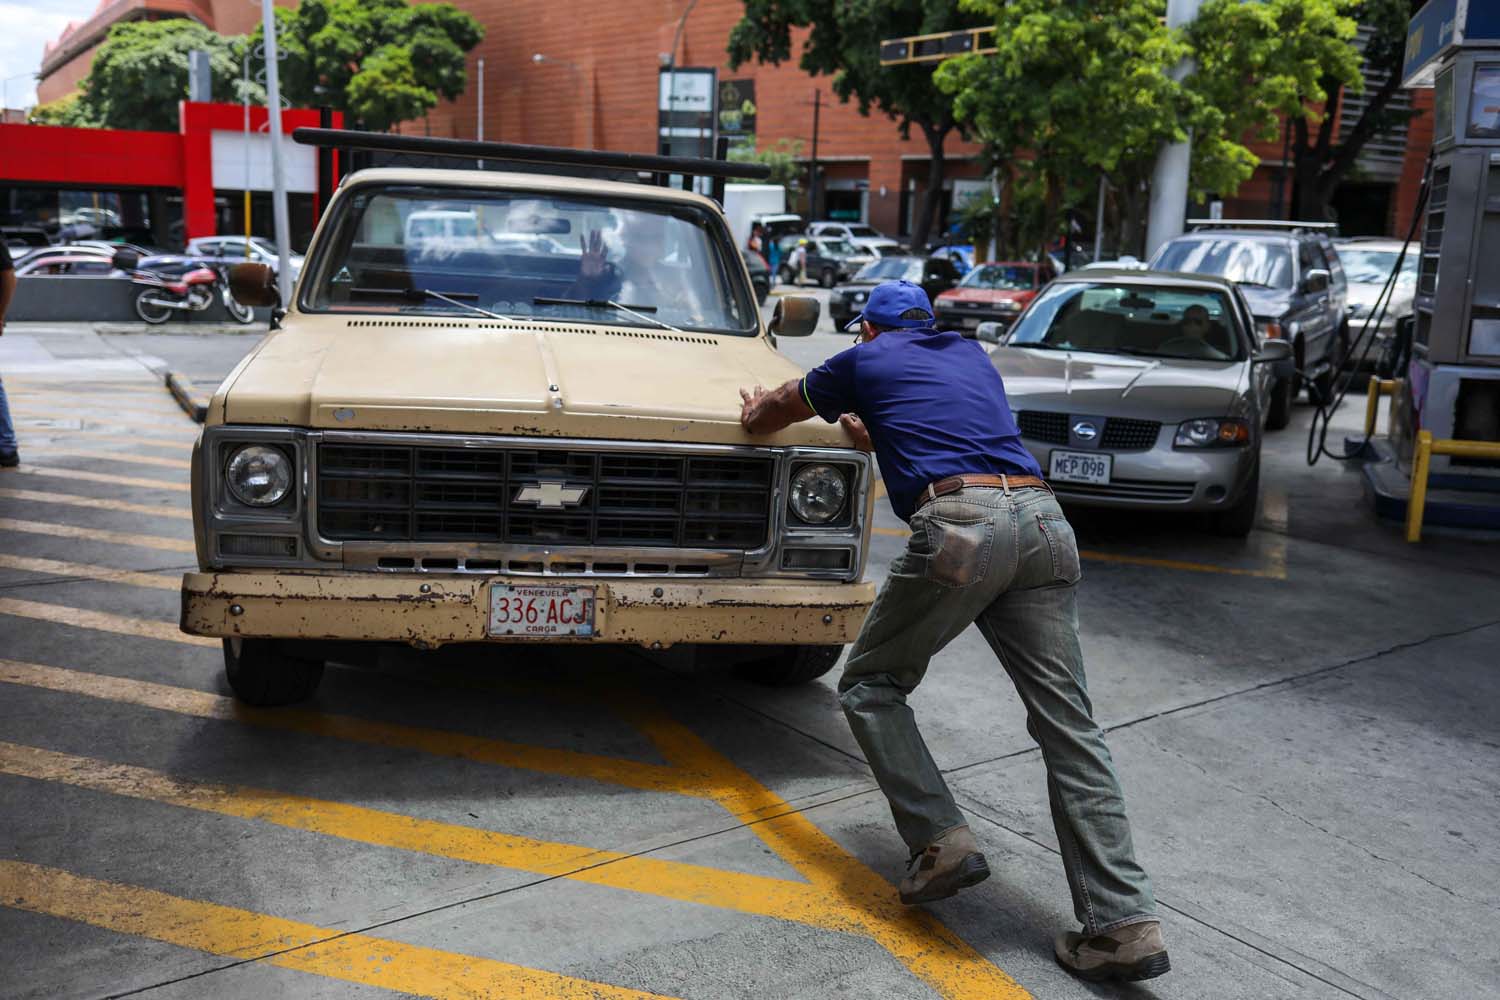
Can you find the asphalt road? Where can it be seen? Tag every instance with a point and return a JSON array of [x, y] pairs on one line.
[[1303, 722]]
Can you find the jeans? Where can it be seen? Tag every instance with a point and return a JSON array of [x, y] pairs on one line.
[[7, 429], [1007, 561]]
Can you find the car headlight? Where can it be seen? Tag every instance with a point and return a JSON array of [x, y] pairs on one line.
[[259, 475], [1224, 432], [860, 296], [1010, 306], [1269, 329], [818, 493]]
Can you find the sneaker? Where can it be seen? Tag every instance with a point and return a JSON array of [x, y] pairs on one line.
[[9, 459], [948, 864], [1132, 953]]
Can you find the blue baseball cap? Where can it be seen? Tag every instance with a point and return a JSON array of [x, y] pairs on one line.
[[889, 300]]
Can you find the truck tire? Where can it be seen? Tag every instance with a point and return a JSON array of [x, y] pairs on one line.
[[1279, 407], [827, 278], [267, 672], [787, 666], [1236, 520]]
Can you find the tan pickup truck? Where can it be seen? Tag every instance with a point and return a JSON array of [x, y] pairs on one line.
[[503, 408]]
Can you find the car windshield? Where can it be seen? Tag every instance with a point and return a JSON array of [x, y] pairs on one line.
[[1147, 320], [864, 233], [891, 269], [1373, 267], [1250, 262], [837, 248], [1001, 276], [522, 255]]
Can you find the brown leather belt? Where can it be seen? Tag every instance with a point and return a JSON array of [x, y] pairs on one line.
[[953, 484]]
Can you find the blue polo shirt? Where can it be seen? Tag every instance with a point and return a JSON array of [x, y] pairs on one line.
[[934, 405]]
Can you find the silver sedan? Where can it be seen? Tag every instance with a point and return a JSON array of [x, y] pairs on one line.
[[1143, 389]]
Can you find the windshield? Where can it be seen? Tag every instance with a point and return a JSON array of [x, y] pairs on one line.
[[891, 269], [1146, 320], [837, 248], [1006, 276], [865, 232], [523, 255], [1373, 267], [1250, 262]]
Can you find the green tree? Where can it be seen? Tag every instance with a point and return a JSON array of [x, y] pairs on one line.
[[1080, 88], [843, 41], [781, 158], [381, 62], [67, 110], [140, 73], [1289, 60]]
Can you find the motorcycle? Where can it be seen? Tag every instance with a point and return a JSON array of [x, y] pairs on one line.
[[179, 285]]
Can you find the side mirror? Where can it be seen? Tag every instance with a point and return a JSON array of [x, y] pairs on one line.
[[989, 332], [1316, 280], [253, 285], [1277, 354], [795, 315], [125, 259]]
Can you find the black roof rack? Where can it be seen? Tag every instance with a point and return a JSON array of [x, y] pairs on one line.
[[498, 154]]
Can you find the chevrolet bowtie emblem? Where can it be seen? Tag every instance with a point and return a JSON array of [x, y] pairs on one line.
[[552, 495]]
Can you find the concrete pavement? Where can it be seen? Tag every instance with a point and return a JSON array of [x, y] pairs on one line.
[[1301, 722]]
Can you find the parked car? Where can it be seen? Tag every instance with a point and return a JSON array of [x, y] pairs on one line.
[[481, 445], [935, 274], [1143, 390], [82, 250], [760, 275], [991, 292], [56, 262], [226, 251], [1368, 263], [861, 235], [781, 224], [829, 260], [1295, 285], [21, 238]]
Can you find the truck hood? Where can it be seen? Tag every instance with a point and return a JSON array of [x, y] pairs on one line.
[[1109, 385], [479, 377], [986, 295], [1267, 303]]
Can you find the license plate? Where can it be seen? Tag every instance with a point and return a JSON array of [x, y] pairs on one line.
[[541, 611], [1080, 467], [970, 322]]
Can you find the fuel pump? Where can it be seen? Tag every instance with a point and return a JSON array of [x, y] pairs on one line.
[[1451, 386]]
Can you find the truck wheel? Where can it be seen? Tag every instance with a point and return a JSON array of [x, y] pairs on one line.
[[1280, 405], [1237, 520], [786, 666], [266, 672], [827, 279], [148, 312]]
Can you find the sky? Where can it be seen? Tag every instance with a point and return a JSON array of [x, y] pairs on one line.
[[29, 26]]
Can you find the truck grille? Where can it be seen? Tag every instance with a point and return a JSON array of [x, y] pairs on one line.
[[536, 496]]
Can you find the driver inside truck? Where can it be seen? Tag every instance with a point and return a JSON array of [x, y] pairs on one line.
[[643, 279]]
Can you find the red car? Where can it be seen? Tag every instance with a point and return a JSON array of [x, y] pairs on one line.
[[995, 292]]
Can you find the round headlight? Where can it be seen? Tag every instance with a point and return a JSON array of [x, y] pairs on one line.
[[258, 475], [818, 493]]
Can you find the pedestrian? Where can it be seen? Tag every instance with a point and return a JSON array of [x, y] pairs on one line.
[[757, 242], [10, 450], [797, 263], [989, 545]]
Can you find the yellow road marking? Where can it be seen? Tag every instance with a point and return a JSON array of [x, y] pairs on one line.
[[100, 477], [755, 894], [99, 426], [29, 440], [441, 743], [131, 386], [56, 567], [69, 405], [96, 503], [101, 621], [289, 944], [935, 954], [893, 532], [120, 456], [98, 535]]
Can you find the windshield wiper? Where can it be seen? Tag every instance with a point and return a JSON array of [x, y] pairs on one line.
[[639, 312], [1041, 346], [423, 294]]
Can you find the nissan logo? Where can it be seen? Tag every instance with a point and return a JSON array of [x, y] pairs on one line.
[[1085, 431]]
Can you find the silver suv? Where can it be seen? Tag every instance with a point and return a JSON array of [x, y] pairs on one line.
[[1291, 275]]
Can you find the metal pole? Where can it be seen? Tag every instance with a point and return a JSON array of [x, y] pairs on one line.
[[1099, 218], [278, 174], [1169, 181], [812, 173], [245, 102], [479, 113]]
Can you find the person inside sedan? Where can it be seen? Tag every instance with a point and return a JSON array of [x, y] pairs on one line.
[[1198, 337]]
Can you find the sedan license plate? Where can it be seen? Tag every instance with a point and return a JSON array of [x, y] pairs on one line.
[[1080, 467], [541, 611]]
